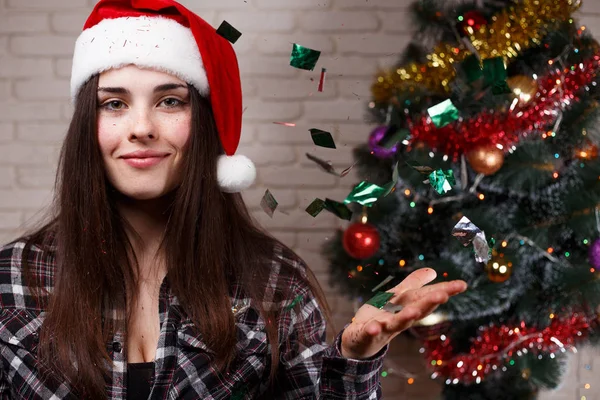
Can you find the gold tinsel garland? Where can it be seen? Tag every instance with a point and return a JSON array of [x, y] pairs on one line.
[[515, 29]]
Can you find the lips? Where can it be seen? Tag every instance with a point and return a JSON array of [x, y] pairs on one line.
[[145, 154], [144, 162]]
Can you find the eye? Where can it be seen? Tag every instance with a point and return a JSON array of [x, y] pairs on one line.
[[172, 102], [114, 105]]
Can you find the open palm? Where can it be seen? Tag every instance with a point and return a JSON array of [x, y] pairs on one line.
[[372, 328]]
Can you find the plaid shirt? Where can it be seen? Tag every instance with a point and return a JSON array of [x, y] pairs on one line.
[[182, 367]]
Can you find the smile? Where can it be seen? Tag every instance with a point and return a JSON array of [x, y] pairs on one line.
[[144, 162]]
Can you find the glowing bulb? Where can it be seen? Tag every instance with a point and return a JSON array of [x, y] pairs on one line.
[[481, 196], [430, 210], [407, 192], [504, 243], [402, 263], [411, 381]]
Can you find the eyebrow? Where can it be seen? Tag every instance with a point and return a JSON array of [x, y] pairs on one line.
[[160, 88]]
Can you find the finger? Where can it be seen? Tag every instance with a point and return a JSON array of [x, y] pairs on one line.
[[451, 288], [421, 308], [402, 320], [415, 280]]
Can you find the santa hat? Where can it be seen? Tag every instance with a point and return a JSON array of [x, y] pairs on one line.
[[165, 36]]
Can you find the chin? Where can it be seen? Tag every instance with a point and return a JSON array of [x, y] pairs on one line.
[[143, 193]]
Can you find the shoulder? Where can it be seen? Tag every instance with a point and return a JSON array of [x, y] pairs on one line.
[[14, 289]]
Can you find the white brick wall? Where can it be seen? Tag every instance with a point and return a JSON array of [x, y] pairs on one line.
[[355, 37]]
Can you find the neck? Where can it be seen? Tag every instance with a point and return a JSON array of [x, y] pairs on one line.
[[147, 221]]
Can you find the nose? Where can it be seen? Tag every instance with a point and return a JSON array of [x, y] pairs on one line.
[[142, 125]]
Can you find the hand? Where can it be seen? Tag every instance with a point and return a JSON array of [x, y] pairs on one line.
[[372, 328]]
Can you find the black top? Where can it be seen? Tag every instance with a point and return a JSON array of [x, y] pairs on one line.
[[139, 380]]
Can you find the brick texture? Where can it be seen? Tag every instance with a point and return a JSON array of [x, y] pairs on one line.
[[356, 37]]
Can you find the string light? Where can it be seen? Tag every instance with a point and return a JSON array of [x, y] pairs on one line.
[[550, 250], [504, 243], [555, 175], [402, 263], [430, 210], [481, 196], [407, 192], [359, 268], [410, 381]]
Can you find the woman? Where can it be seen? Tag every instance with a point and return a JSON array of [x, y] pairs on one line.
[[150, 280]]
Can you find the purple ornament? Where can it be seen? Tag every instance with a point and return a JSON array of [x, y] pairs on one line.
[[378, 150], [594, 254]]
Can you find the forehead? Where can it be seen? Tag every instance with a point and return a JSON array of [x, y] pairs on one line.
[[134, 76]]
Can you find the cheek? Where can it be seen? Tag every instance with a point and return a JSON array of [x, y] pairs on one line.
[[108, 135], [179, 130]]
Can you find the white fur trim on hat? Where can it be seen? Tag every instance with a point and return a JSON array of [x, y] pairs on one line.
[[235, 173], [148, 42]]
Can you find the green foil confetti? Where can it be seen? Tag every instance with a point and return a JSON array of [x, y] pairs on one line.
[[380, 299], [315, 207], [297, 300], [443, 113], [304, 58], [391, 185], [229, 32], [365, 194], [442, 181], [472, 68], [494, 70], [495, 75], [322, 138], [339, 209], [268, 203]]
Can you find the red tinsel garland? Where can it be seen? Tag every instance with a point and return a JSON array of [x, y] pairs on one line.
[[493, 127], [496, 345]]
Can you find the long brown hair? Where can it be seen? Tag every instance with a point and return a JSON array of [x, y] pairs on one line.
[[209, 234]]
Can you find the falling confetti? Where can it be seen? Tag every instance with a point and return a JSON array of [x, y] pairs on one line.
[[303, 57], [443, 113], [322, 81], [322, 138], [268, 203], [229, 32], [328, 167]]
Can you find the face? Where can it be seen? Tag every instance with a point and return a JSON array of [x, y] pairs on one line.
[[143, 111]]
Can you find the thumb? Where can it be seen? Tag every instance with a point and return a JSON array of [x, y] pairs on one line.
[[372, 328]]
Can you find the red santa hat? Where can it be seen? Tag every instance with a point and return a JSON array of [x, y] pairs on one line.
[[165, 36]]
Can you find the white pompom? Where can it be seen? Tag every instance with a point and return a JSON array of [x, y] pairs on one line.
[[235, 173]]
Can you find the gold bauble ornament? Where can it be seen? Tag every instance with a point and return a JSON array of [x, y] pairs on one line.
[[524, 87], [486, 160], [498, 269]]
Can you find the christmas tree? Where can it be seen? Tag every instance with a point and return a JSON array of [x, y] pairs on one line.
[[484, 166]]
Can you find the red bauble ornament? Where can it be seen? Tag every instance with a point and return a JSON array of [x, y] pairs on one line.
[[473, 20], [361, 240]]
